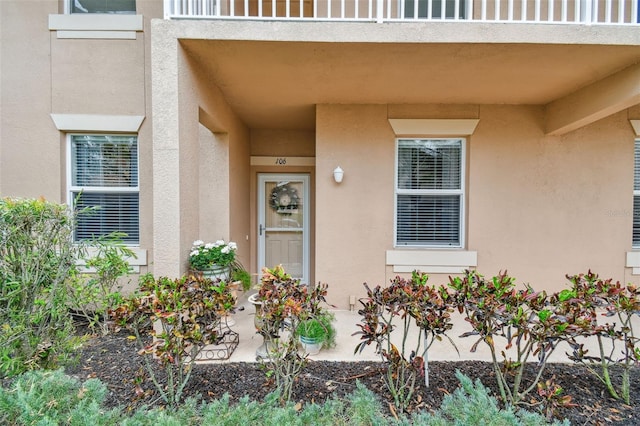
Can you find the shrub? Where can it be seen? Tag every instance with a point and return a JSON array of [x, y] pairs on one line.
[[93, 294], [36, 257], [284, 304], [471, 404], [414, 304], [45, 398], [589, 295], [54, 398], [186, 315], [530, 323]]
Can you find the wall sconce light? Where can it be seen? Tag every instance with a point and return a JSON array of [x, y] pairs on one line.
[[338, 174]]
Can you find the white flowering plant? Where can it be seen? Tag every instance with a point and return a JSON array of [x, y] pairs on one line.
[[205, 255]]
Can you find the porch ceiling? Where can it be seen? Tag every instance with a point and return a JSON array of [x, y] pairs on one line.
[[276, 84]]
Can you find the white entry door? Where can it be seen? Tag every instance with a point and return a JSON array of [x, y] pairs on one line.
[[283, 223]]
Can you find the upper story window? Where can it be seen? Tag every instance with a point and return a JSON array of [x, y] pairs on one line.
[[430, 192], [103, 6], [434, 9], [103, 175], [636, 196]]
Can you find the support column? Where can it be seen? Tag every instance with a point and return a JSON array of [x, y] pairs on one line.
[[167, 253]]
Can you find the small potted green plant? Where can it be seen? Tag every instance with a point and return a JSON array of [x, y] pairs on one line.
[[317, 332], [241, 275]]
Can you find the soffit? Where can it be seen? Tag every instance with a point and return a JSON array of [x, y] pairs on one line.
[[276, 84]]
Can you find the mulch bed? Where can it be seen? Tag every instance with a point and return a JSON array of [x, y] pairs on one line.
[[114, 361]]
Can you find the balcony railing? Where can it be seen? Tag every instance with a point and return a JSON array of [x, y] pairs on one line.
[[586, 12]]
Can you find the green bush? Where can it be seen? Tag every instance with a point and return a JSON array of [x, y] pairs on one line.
[[93, 293], [36, 257], [51, 398], [471, 404]]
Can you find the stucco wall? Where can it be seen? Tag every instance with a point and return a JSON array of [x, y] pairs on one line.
[[354, 219], [543, 207], [539, 206], [30, 148]]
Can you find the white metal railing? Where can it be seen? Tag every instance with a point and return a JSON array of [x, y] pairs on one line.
[[611, 12]]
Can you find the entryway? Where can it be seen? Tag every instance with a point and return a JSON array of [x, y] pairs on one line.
[[283, 223]]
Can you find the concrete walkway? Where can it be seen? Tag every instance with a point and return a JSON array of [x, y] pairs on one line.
[[345, 324]]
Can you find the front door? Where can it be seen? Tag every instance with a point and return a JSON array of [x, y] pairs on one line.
[[283, 223]]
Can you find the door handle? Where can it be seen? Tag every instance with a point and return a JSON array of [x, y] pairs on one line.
[[260, 229]]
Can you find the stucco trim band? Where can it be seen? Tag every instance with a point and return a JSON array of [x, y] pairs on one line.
[[633, 261], [432, 261], [96, 26], [433, 127], [97, 122], [112, 35], [96, 22], [636, 126]]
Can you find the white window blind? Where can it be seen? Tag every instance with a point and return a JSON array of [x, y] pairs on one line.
[[103, 6], [429, 192], [104, 177], [636, 196]]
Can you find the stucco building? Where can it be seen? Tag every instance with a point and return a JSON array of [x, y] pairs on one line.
[[470, 133]]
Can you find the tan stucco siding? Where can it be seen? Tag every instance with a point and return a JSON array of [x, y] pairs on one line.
[[543, 207], [30, 146], [354, 219], [98, 76], [537, 205]]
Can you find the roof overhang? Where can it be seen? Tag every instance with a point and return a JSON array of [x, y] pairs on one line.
[[273, 74]]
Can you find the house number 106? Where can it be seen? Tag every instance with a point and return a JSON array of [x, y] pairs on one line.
[[281, 161]]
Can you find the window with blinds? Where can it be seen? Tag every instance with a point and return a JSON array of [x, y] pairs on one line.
[[430, 192], [103, 6], [636, 196], [434, 9], [104, 179]]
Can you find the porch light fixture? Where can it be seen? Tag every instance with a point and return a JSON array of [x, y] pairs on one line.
[[338, 174]]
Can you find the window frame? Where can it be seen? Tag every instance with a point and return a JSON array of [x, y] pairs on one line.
[[71, 188], [461, 192], [636, 193]]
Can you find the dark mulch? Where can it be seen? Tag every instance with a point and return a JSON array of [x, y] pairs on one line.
[[114, 361]]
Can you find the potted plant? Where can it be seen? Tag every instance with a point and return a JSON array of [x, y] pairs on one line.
[[213, 259], [317, 332], [240, 275]]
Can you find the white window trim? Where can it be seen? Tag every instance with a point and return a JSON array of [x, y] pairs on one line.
[[73, 188], [461, 192]]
